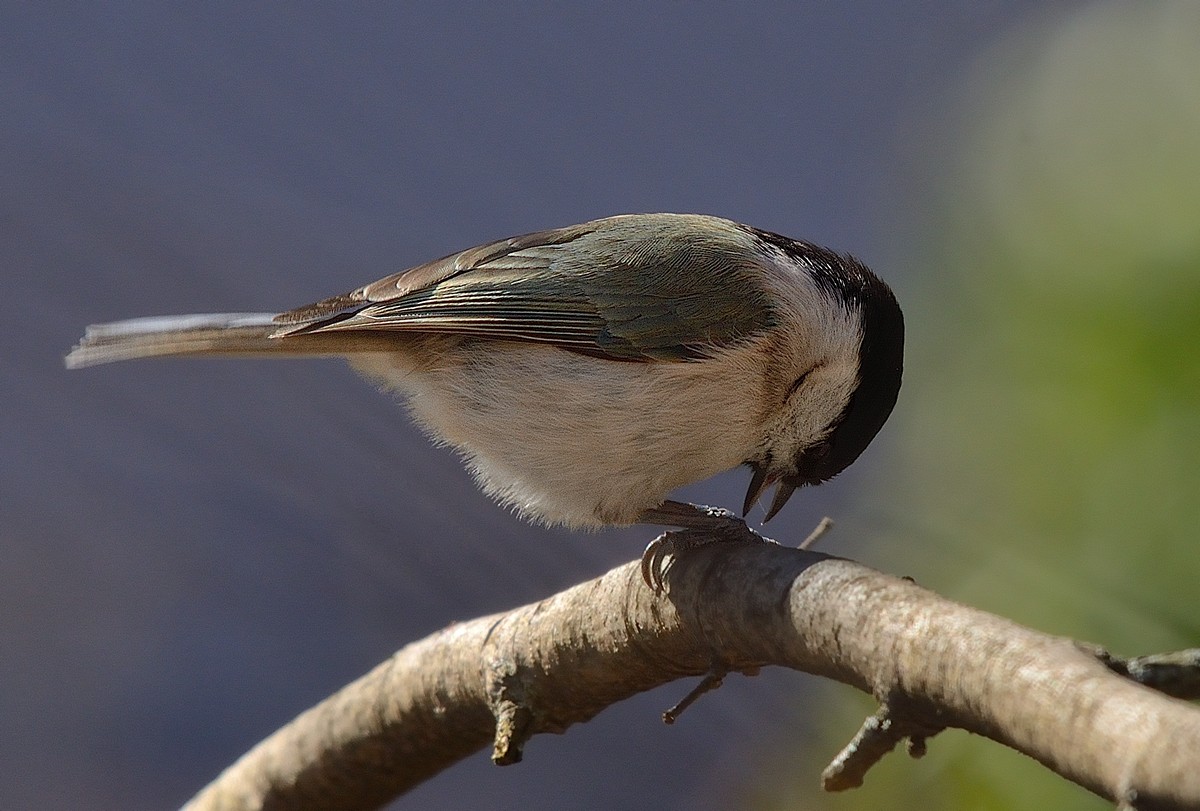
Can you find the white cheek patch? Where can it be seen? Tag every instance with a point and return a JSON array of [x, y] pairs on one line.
[[825, 345], [817, 403]]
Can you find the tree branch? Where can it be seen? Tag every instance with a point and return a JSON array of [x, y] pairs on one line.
[[931, 663]]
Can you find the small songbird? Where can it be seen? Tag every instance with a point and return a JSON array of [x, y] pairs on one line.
[[584, 373]]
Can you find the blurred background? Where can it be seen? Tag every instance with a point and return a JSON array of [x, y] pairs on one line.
[[192, 552]]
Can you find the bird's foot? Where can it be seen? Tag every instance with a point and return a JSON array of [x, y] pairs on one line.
[[702, 526]]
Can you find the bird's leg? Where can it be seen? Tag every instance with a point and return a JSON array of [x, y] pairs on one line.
[[696, 516], [698, 526]]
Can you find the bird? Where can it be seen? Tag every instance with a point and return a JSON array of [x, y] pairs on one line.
[[585, 373]]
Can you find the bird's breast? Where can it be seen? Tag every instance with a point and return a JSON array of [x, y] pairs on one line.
[[577, 440]]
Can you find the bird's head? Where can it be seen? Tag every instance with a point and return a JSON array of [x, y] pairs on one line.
[[838, 359]]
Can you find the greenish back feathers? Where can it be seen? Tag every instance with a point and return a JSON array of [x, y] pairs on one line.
[[632, 287]]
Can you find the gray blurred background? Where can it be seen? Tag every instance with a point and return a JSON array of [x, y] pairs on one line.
[[195, 551]]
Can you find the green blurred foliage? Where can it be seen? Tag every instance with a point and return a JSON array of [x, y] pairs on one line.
[[1049, 430]]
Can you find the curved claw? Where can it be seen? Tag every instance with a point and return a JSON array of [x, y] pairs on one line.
[[726, 528], [657, 551]]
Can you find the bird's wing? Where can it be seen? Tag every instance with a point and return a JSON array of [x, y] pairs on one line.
[[635, 287]]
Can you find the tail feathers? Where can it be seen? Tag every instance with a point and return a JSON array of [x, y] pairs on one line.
[[212, 334]]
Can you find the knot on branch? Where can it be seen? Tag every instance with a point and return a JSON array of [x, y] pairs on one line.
[[878, 735], [508, 700]]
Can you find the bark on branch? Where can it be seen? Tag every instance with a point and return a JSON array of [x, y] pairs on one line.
[[931, 663]]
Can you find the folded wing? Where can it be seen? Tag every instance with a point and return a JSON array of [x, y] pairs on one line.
[[634, 287]]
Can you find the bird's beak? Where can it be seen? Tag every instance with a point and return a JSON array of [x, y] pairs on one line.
[[760, 481], [782, 494]]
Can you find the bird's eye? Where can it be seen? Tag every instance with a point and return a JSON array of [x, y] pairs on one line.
[[797, 384]]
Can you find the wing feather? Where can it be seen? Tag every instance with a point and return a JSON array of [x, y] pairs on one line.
[[634, 287]]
